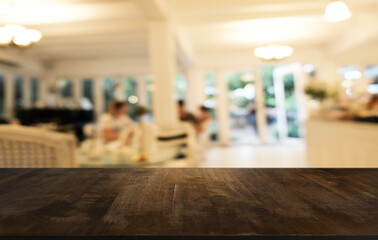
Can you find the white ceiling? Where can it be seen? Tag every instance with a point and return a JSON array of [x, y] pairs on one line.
[[117, 28]]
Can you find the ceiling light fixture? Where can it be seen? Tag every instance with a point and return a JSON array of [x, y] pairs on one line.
[[337, 11], [18, 35], [273, 52]]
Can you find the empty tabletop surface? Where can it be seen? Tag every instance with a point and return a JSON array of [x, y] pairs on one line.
[[189, 203]]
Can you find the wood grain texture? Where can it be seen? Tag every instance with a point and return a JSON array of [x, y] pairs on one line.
[[245, 203]]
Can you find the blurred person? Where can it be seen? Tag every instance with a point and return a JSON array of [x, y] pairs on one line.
[[115, 122], [251, 117], [185, 115], [204, 119]]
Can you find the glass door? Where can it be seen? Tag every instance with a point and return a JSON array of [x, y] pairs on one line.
[[243, 108]]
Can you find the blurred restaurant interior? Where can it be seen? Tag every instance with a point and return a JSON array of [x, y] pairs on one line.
[[188, 83]]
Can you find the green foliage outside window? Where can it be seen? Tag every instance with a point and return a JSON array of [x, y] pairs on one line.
[[130, 87], [109, 93]]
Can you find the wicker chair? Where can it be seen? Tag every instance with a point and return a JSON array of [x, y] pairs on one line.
[[35, 148], [180, 136]]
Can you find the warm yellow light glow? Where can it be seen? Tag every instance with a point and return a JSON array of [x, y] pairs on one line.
[[5, 36], [337, 11], [14, 30], [33, 35], [273, 52], [21, 41], [20, 35], [347, 83], [249, 91], [133, 99]]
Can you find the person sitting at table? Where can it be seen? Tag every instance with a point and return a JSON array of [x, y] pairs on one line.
[[115, 122], [204, 119], [186, 116]]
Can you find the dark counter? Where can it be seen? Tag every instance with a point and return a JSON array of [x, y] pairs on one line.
[[189, 203]]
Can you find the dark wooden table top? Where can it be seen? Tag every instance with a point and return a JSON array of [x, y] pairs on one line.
[[189, 203]]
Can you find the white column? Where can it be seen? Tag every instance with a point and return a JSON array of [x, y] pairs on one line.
[[77, 91], [300, 97], [195, 95], [98, 96], [9, 94], [223, 113], [43, 89], [26, 91], [262, 126], [142, 91], [163, 67]]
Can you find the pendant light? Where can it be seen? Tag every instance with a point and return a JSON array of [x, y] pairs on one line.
[[337, 11]]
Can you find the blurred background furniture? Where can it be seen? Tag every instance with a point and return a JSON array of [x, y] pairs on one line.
[[162, 146], [341, 144], [181, 136], [64, 120], [22, 146]]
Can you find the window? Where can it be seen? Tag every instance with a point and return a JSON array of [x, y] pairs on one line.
[[18, 92], [350, 75], [87, 89], [150, 91], [109, 85], [130, 90], [242, 107], [34, 90], [65, 88], [180, 86], [210, 102], [372, 74]]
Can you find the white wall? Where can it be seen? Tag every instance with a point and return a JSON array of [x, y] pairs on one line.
[[23, 64], [104, 67], [244, 59]]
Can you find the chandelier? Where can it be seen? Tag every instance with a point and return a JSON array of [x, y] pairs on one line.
[[273, 52], [18, 35], [336, 11]]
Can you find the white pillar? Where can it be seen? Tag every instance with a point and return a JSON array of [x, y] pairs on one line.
[[262, 126], [195, 95], [98, 96], [142, 91], [9, 94], [42, 89], [300, 97], [223, 113], [163, 67]]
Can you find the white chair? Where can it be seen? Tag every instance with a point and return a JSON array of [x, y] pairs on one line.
[[180, 136], [35, 148]]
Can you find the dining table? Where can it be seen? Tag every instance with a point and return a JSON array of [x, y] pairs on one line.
[[188, 203]]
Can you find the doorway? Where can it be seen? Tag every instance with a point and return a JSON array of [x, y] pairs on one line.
[[243, 108], [290, 100]]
